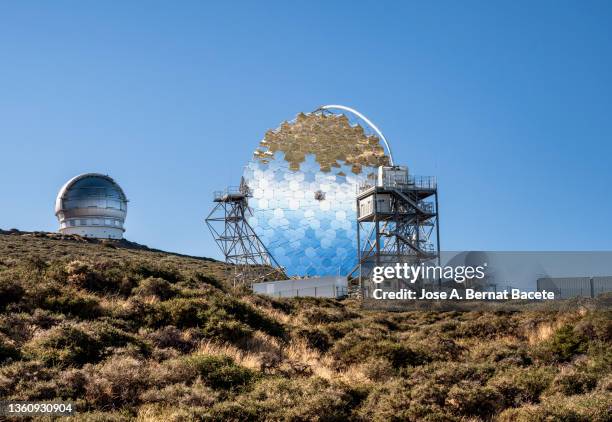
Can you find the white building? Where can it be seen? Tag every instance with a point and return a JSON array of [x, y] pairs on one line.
[[330, 286], [91, 205]]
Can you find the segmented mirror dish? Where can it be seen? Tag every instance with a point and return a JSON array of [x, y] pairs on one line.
[[303, 179]]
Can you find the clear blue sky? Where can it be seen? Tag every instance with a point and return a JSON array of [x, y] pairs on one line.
[[508, 103]]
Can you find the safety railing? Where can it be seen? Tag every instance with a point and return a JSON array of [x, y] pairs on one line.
[[413, 182], [230, 190]]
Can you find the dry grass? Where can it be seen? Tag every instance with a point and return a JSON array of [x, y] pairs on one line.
[[135, 334], [252, 360]]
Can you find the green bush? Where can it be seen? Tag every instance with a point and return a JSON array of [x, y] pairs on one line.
[[583, 408], [469, 398], [564, 344], [64, 346], [248, 315], [110, 336], [75, 345], [10, 292], [356, 348], [154, 286], [84, 275], [184, 313], [450, 373], [224, 329], [117, 382], [519, 386], [596, 326], [195, 394], [35, 263], [8, 351], [291, 400], [220, 372], [170, 274], [387, 402], [71, 303], [487, 327], [170, 336], [26, 380], [218, 317], [70, 384], [234, 411], [203, 278], [316, 338], [574, 382]]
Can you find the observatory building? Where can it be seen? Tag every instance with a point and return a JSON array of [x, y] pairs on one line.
[[91, 205]]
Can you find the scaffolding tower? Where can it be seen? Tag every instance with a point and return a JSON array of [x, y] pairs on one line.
[[397, 222], [228, 224]]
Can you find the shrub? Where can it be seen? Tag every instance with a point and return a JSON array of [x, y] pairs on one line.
[[316, 338], [248, 315], [8, 351], [82, 275], [35, 263], [224, 329], [487, 327], [573, 382], [216, 371], [387, 402], [70, 384], [220, 372], [154, 286], [587, 408], [440, 348], [219, 318], [170, 336], [18, 327], [519, 386], [321, 315], [353, 349], [563, 345], [202, 278], [185, 313], [502, 354], [116, 382], [599, 357], [378, 369], [295, 400], [170, 274], [45, 319], [195, 395], [596, 326], [469, 398], [232, 411], [23, 380], [70, 302], [75, 345], [109, 336], [10, 292], [64, 346], [450, 373], [139, 313]]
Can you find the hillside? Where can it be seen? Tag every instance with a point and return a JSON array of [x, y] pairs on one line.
[[132, 333]]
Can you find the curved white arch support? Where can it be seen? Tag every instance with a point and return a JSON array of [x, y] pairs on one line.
[[365, 119]]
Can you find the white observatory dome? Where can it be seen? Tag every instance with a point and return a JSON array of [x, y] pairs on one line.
[[91, 205]]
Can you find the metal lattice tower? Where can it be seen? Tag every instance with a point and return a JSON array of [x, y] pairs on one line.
[[397, 222], [237, 240]]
